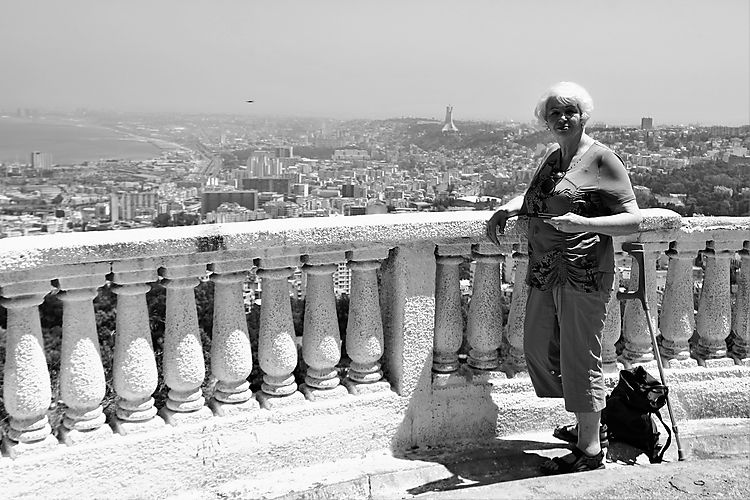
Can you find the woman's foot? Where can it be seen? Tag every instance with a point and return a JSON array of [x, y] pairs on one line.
[[576, 461]]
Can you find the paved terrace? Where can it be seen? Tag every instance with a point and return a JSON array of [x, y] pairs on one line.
[[406, 387]]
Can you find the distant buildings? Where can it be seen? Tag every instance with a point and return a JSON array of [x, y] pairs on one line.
[[647, 123], [350, 155]]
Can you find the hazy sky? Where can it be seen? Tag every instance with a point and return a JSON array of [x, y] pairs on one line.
[[679, 61]]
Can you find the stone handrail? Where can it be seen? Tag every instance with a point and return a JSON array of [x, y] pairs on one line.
[[405, 288]]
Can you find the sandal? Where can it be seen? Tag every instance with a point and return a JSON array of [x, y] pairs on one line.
[[569, 433], [582, 463]]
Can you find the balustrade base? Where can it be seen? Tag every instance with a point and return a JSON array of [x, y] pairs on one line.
[[358, 388], [612, 367], [221, 409], [126, 427], [270, 402], [466, 375], [176, 418], [737, 348], [679, 363], [449, 379], [14, 449], [476, 375], [724, 362], [72, 437], [513, 366], [629, 362], [315, 394]]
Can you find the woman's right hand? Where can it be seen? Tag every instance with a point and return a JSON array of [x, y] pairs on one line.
[[496, 225]]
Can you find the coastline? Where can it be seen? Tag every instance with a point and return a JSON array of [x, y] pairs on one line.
[[71, 141]]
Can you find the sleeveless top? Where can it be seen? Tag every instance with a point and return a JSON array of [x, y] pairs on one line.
[[595, 185]]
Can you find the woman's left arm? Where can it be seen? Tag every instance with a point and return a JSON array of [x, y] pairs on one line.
[[625, 222]]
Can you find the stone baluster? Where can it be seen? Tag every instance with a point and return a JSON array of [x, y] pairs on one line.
[[635, 331], [26, 386], [277, 347], [321, 339], [231, 353], [82, 382], [516, 360], [612, 325], [740, 343], [134, 371], [449, 324], [184, 368], [713, 323], [677, 319], [364, 329], [485, 320]]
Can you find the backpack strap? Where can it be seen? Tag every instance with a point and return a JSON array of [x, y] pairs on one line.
[[660, 456]]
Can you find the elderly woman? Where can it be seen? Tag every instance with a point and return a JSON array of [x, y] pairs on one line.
[[579, 197]]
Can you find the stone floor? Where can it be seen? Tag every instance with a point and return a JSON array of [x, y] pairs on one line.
[[717, 463]]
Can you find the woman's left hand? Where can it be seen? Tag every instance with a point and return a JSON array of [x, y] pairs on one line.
[[569, 223]]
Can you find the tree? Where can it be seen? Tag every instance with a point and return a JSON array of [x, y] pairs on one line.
[[185, 219], [162, 220]]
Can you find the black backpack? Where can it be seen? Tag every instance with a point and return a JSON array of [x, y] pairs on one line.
[[630, 409]]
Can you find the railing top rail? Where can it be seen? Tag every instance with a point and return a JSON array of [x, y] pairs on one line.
[[272, 237]]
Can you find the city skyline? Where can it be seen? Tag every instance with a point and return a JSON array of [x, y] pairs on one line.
[[678, 62]]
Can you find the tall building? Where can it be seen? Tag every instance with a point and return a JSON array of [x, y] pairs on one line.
[[41, 161], [259, 163], [128, 205], [342, 279], [211, 200], [270, 184], [284, 152], [448, 126], [647, 123]]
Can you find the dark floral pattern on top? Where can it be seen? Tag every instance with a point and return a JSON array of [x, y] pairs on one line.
[[544, 269]]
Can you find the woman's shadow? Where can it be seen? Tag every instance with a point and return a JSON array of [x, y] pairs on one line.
[[499, 461], [504, 460]]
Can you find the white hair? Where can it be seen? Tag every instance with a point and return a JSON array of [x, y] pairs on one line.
[[567, 92]]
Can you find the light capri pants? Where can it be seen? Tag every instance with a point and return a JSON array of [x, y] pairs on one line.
[[563, 343]]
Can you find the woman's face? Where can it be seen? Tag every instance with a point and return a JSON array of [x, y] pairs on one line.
[[563, 116]]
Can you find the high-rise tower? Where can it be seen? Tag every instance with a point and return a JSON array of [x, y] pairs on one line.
[[448, 126]]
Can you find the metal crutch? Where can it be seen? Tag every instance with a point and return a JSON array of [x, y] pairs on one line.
[[636, 251]]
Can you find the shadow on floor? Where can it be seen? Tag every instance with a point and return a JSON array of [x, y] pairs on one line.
[[502, 461]]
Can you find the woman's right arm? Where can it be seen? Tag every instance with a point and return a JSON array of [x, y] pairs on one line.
[[499, 218]]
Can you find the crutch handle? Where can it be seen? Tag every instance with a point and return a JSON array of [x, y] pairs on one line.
[[637, 252]]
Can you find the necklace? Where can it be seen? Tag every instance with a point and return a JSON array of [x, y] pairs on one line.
[[576, 158]]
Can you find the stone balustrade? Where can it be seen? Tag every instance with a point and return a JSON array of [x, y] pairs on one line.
[[405, 292]]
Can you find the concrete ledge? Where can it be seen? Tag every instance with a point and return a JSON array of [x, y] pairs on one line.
[[242, 240]]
